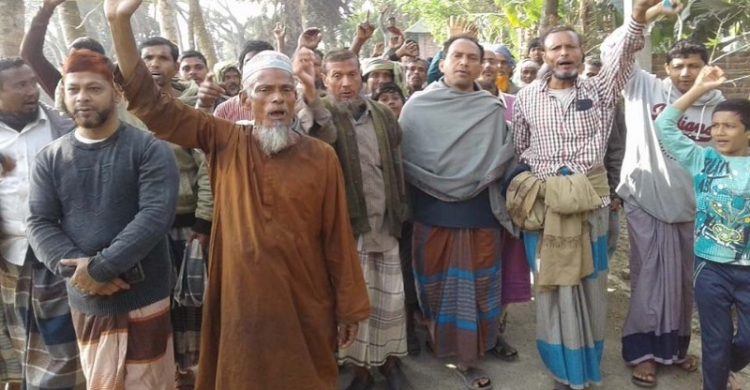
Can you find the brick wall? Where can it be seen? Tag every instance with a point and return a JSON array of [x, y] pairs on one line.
[[736, 65]]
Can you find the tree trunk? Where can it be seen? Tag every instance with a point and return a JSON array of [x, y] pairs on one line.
[[168, 21], [551, 15], [71, 22], [303, 12], [202, 38], [11, 27]]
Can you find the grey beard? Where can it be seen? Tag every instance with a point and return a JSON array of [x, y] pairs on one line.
[[566, 76], [273, 139], [352, 106]]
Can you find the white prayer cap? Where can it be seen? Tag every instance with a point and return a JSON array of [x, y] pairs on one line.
[[266, 59]]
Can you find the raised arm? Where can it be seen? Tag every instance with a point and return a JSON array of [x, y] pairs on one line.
[[677, 144], [619, 61], [158, 184], [168, 118], [365, 30], [279, 33], [46, 237], [313, 115], [32, 48]]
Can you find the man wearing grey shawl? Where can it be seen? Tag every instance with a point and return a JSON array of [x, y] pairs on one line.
[[456, 148]]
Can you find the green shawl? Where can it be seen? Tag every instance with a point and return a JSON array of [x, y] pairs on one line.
[[388, 133]]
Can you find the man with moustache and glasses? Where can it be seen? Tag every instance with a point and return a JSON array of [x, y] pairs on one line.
[[284, 281]]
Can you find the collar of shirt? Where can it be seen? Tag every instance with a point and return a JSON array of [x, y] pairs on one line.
[[365, 116], [43, 119]]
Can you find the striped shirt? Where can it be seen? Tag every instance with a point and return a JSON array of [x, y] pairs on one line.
[[549, 135], [233, 110]]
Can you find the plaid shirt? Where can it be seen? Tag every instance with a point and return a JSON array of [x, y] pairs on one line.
[[549, 136]]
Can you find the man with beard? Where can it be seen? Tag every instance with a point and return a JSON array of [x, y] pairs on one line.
[[416, 74], [660, 206], [505, 65], [36, 315], [98, 200], [516, 283], [194, 211], [49, 77], [456, 148], [612, 159], [283, 265], [236, 109], [314, 118], [193, 66], [368, 148], [561, 130], [230, 77]]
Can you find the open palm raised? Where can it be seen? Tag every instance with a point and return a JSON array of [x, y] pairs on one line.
[[114, 8]]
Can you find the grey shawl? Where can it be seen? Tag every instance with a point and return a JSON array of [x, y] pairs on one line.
[[457, 144]]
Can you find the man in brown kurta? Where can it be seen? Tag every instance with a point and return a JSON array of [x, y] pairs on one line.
[[283, 271]]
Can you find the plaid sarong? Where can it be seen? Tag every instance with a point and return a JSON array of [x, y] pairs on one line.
[[130, 351], [186, 321], [10, 365], [384, 333], [38, 316], [459, 284]]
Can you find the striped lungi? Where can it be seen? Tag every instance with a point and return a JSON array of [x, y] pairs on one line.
[[384, 333], [571, 320], [42, 329], [459, 283], [12, 335], [658, 325], [130, 351], [186, 321]]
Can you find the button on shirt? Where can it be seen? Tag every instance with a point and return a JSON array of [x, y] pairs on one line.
[[550, 134], [378, 239], [22, 147]]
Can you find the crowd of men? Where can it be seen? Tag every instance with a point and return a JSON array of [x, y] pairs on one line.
[[340, 202]]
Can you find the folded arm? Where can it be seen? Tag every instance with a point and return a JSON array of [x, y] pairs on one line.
[[158, 184]]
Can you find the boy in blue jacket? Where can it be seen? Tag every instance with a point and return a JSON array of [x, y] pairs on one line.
[[721, 174]]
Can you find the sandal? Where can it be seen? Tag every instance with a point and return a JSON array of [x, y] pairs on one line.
[[644, 378], [412, 345], [504, 351], [473, 376], [690, 364]]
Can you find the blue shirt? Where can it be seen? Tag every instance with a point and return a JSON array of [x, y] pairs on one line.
[[722, 193]]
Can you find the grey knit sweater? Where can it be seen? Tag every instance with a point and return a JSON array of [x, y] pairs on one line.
[[112, 201]]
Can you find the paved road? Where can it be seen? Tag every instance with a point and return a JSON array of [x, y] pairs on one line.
[[528, 373]]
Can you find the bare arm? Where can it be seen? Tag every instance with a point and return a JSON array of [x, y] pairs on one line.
[[365, 30]]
